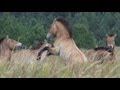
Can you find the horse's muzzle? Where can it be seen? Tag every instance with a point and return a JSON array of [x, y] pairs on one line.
[[18, 44], [49, 36], [111, 46]]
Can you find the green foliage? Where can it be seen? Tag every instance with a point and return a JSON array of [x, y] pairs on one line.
[[11, 26], [89, 28], [83, 37]]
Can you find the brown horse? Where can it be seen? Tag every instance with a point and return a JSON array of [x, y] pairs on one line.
[[7, 45], [32, 54], [64, 44], [103, 53]]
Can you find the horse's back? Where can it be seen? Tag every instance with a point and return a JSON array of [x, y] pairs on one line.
[[22, 54], [102, 55]]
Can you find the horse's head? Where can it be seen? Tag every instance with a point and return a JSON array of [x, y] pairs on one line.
[[12, 43], [110, 40], [59, 28], [53, 31]]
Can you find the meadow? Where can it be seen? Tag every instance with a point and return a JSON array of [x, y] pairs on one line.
[[89, 30], [55, 67]]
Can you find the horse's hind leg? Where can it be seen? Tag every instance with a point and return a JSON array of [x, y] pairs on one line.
[[113, 58]]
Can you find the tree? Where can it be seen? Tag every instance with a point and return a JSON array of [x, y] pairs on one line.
[[82, 37]]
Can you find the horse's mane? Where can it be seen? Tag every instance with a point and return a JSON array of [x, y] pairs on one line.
[[66, 25], [1, 40], [111, 35], [109, 49]]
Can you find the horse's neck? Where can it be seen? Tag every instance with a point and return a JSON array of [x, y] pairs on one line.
[[64, 35], [4, 50], [62, 39]]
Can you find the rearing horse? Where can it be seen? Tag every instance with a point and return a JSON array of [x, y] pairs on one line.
[[64, 44]]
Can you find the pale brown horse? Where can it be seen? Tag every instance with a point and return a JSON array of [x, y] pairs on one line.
[[64, 44], [7, 45], [32, 54], [110, 42], [103, 53]]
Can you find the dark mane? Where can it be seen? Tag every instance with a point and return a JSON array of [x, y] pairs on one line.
[[2, 39], [111, 35], [66, 24], [109, 49]]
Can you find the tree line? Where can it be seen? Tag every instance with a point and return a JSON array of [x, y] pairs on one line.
[[89, 28]]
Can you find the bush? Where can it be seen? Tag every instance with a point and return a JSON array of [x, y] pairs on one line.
[[11, 26]]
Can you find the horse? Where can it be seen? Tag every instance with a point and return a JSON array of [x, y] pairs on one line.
[[36, 53], [64, 45], [103, 53], [110, 42], [7, 46]]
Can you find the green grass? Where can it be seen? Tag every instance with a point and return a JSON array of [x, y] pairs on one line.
[[55, 67]]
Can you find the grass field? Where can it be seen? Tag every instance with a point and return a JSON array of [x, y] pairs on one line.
[[54, 67]]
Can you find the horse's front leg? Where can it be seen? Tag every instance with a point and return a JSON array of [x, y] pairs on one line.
[[52, 50]]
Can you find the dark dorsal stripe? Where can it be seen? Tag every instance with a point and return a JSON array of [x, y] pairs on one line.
[[109, 49], [66, 25]]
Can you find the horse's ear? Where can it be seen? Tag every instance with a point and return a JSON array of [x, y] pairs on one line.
[[115, 35], [7, 37]]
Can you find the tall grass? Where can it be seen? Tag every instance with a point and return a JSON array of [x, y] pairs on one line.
[[55, 67]]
